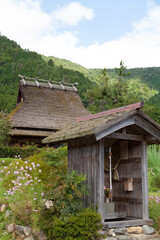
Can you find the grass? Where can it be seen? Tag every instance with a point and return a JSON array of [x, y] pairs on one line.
[[3, 231], [154, 184]]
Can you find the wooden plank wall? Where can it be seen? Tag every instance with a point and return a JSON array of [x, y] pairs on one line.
[[130, 166], [83, 156]]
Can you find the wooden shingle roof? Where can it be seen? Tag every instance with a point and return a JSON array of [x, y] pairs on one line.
[[45, 107]]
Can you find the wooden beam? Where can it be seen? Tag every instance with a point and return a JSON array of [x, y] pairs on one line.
[[128, 223], [115, 215], [145, 201], [126, 136], [101, 180], [151, 140], [124, 131], [101, 133], [127, 199], [139, 121], [51, 81]]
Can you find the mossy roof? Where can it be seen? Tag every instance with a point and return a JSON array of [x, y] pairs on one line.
[[94, 126], [87, 127]]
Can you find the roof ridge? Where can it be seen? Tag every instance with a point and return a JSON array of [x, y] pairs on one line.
[[49, 83], [137, 105]]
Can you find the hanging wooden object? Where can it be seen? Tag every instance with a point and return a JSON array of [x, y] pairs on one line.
[[128, 185]]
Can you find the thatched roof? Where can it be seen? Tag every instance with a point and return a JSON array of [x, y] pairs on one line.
[[105, 125], [45, 107]]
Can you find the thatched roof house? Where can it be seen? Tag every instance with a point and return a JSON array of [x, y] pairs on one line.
[[110, 148], [42, 108]]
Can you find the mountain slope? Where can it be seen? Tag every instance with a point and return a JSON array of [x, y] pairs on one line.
[[14, 60]]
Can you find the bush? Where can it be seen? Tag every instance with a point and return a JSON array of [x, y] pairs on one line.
[[83, 225], [154, 210], [23, 189], [25, 183], [154, 168], [12, 151], [5, 128], [3, 234], [67, 196]]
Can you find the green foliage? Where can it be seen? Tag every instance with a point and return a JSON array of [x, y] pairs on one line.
[[68, 194], [52, 156], [153, 111], [3, 234], [154, 168], [114, 89], [4, 130], [23, 189], [154, 210], [16, 150], [26, 183], [81, 226], [14, 60], [111, 94], [154, 184], [119, 91]]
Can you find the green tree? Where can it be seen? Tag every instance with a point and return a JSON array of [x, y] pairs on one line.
[[4, 130], [110, 94], [51, 63]]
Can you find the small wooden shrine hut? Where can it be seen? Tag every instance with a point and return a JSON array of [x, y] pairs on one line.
[[42, 108], [111, 149]]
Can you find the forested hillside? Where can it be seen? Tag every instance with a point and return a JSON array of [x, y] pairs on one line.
[[14, 60], [99, 89]]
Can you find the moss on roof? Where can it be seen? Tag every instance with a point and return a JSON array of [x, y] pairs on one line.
[[15, 110], [87, 127], [46, 108]]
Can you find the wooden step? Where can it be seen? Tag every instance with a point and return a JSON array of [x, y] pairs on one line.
[[127, 223], [115, 215]]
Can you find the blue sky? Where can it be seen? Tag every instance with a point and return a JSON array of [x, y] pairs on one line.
[[112, 19], [95, 34]]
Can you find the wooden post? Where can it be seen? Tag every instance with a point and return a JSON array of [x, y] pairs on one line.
[[101, 180], [144, 181]]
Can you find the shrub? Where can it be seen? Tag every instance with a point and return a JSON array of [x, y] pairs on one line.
[[23, 189], [3, 234], [67, 196], [154, 168], [12, 151], [83, 225], [25, 184], [154, 210], [4, 130]]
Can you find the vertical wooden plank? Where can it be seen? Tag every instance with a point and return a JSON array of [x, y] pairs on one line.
[[101, 179], [124, 149], [144, 180]]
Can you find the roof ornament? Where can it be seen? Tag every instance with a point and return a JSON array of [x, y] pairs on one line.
[[50, 83], [23, 79], [36, 81], [63, 87], [73, 86]]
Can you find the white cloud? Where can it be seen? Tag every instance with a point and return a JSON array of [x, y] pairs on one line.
[[73, 13], [138, 48], [25, 22]]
